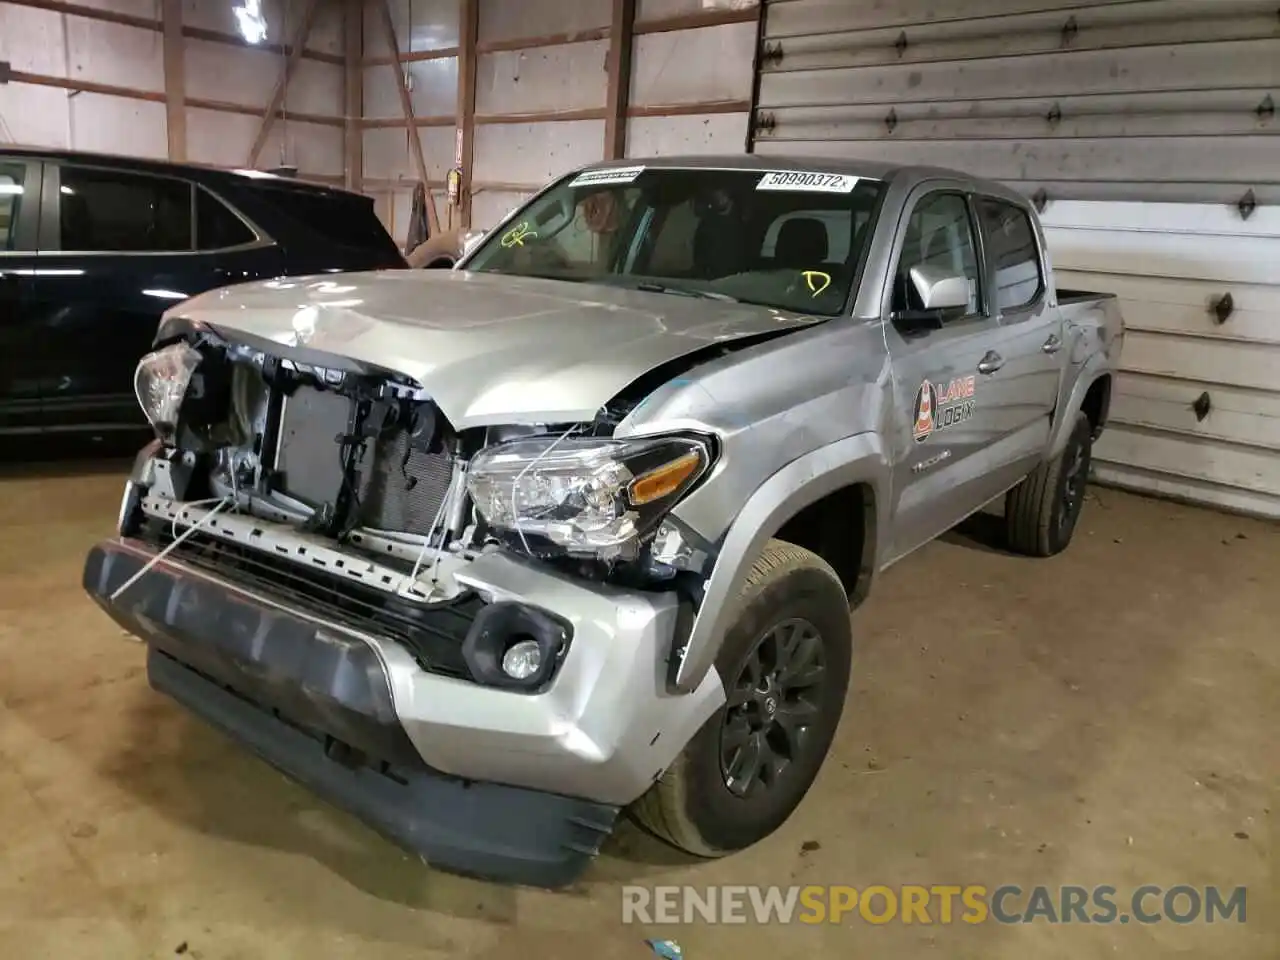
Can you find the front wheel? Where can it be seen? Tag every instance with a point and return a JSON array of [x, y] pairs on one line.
[[785, 667], [1041, 512]]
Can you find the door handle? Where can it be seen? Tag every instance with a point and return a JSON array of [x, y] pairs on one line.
[[990, 363], [1053, 344]]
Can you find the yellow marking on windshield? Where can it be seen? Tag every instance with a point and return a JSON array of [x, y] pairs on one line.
[[817, 281], [516, 236]]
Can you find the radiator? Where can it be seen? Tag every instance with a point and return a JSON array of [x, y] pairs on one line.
[[395, 492]]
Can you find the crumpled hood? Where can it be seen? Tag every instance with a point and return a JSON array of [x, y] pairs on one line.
[[489, 349]]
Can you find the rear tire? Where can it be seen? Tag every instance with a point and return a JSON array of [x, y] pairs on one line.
[[1042, 511], [785, 666]]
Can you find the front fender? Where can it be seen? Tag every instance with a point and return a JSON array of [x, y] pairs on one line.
[[1097, 366], [857, 459]]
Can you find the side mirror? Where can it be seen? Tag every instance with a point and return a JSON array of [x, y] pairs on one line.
[[940, 290], [470, 239]]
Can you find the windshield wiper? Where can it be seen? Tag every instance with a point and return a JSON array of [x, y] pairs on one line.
[[649, 287]]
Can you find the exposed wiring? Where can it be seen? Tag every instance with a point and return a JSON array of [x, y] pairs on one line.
[[426, 543], [150, 564]]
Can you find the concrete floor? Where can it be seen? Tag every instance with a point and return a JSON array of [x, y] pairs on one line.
[[1107, 717]]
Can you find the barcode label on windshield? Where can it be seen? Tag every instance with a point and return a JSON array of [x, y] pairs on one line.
[[590, 178], [809, 182]]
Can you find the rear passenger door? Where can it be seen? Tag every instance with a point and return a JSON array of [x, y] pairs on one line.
[[117, 248], [942, 416], [19, 217], [1030, 338]]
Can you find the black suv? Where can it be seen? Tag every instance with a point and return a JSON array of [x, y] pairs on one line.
[[94, 248]]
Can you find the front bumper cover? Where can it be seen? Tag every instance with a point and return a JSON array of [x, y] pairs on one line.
[[316, 702]]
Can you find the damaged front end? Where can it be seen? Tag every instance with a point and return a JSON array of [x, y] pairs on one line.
[[511, 596]]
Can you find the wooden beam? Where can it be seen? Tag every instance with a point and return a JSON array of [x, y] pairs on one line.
[[353, 134], [282, 85], [175, 80], [465, 135], [621, 35], [406, 105]]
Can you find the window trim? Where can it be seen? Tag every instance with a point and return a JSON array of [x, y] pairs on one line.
[[49, 240], [27, 226], [1036, 303], [923, 192]]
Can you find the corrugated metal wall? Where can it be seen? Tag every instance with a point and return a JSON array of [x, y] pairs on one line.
[[1146, 131]]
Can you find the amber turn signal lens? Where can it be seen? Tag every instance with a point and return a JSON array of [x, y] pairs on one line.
[[664, 480]]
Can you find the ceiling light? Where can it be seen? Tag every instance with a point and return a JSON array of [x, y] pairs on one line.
[[249, 18]]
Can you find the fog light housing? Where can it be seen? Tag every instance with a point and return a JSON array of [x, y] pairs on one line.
[[515, 646], [522, 659]]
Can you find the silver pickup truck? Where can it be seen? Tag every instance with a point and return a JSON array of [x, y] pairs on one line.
[[487, 556]]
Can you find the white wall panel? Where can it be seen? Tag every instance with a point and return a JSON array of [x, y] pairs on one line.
[[419, 25], [570, 76], [386, 153], [32, 40], [535, 152], [316, 87], [327, 30], [504, 20], [666, 9], [111, 53], [433, 87], [437, 150], [684, 66], [379, 89], [698, 133], [224, 139], [219, 71], [34, 116], [490, 206], [105, 124]]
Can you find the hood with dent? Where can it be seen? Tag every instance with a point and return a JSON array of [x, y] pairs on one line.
[[489, 349]]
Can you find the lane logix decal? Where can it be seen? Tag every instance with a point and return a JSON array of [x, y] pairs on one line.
[[937, 408], [516, 236]]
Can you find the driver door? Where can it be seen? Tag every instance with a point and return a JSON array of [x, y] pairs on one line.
[[942, 423]]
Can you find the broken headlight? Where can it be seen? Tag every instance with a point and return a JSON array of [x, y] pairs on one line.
[[160, 382], [585, 496]]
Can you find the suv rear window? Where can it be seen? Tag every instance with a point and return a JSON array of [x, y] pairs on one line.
[[344, 219]]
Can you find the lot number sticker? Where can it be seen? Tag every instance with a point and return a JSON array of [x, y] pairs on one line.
[[807, 182], [591, 178]]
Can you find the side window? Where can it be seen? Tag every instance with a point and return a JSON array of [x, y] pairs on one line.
[[11, 195], [1011, 245], [217, 228], [939, 236], [109, 211]]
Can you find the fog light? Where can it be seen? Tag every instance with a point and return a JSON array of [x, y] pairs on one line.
[[522, 660]]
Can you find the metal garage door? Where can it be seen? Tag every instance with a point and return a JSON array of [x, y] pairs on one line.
[[1146, 131]]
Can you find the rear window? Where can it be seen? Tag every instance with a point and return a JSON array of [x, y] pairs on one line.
[[344, 219]]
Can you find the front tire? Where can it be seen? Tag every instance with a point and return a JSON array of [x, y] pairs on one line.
[[785, 666], [1041, 512]]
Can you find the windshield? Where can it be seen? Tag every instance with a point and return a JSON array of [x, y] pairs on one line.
[[791, 240]]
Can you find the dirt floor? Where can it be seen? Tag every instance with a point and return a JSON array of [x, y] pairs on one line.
[[1106, 717]]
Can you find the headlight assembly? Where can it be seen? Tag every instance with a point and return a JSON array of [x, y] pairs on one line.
[[160, 382], [585, 496]]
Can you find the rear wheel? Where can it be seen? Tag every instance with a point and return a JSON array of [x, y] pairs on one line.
[[1041, 512], [785, 666]]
